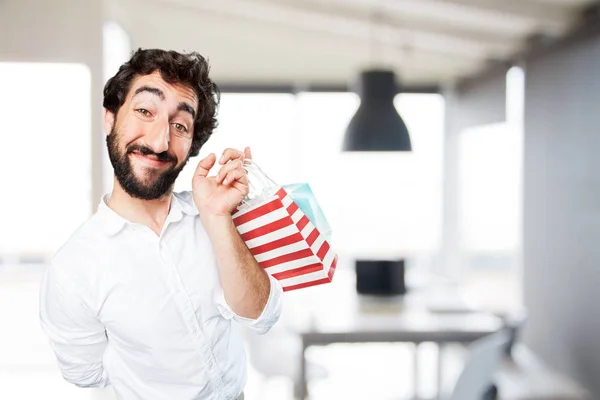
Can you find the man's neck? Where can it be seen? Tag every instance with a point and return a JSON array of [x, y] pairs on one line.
[[152, 213]]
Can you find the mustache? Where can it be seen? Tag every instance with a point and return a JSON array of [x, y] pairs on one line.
[[164, 156]]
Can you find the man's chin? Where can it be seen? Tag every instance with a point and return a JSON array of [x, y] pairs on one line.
[[148, 185], [146, 175], [144, 192]]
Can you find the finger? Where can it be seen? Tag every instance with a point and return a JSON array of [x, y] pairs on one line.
[[247, 153], [237, 174], [242, 187], [230, 166], [205, 165], [243, 179], [230, 154], [241, 184]]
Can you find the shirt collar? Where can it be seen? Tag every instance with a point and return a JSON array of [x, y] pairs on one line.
[[182, 203], [113, 223]]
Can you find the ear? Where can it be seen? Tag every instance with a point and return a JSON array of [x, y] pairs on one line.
[[109, 121]]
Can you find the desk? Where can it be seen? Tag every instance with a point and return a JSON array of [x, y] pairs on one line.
[[342, 316]]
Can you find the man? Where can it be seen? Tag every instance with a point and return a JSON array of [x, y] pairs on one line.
[[145, 294]]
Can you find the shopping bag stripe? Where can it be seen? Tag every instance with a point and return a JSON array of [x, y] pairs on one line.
[[265, 229], [332, 268], [297, 216], [312, 237], [306, 284], [286, 200], [316, 246], [264, 209], [307, 230], [281, 193], [312, 276], [286, 258], [262, 220], [302, 223], [298, 271], [257, 212], [271, 236], [295, 238], [283, 250], [328, 259], [310, 282], [292, 208], [300, 262], [321, 273], [323, 250]]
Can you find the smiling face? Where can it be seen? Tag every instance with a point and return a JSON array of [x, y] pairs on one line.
[[151, 136]]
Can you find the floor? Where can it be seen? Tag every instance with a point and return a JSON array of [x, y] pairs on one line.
[[28, 370]]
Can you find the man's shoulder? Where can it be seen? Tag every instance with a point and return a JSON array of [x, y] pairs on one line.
[[84, 246]]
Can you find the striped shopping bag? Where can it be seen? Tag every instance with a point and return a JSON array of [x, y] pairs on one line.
[[284, 241]]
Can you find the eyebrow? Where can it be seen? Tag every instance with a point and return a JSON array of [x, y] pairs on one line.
[[187, 108], [183, 106], [149, 89]]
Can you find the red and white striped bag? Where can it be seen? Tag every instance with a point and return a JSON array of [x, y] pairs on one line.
[[281, 237]]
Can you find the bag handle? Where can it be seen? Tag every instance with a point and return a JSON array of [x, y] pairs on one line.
[[258, 181]]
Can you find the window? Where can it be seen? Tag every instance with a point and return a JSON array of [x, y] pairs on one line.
[[45, 114], [490, 205], [378, 204], [490, 171]]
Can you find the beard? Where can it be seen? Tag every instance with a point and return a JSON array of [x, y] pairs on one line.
[[156, 184]]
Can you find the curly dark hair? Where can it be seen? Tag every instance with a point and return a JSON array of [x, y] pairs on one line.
[[189, 69]]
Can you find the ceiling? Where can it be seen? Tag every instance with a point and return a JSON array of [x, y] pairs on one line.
[[326, 42]]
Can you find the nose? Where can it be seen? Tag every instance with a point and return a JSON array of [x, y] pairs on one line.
[[157, 138]]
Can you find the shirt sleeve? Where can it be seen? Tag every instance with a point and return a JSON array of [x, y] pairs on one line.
[[269, 316], [76, 336]]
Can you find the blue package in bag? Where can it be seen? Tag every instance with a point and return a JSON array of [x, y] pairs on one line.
[[304, 197]]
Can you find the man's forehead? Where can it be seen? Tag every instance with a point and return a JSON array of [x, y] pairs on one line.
[[155, 80]]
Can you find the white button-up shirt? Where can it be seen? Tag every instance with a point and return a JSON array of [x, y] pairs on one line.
[[145, 313]]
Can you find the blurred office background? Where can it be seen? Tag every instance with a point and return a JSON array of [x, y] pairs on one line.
[[495, 213]]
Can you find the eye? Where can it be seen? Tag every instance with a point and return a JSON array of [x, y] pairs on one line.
[[144, 112], [181, 128]]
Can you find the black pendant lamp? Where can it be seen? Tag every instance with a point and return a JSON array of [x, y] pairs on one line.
[[377, 126]]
